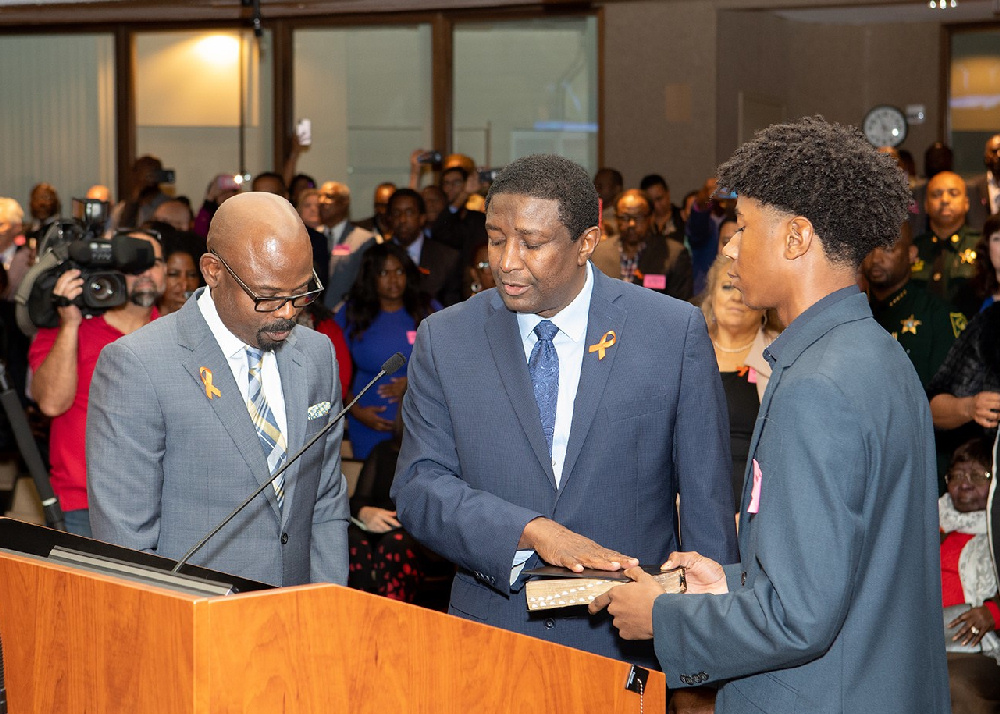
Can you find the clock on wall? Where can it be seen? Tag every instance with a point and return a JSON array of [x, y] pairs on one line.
[[885, 125]]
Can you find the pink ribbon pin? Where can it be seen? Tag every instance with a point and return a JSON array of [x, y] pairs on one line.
[[755, 492]]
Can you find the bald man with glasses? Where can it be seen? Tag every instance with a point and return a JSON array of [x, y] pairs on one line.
[[189, 418]]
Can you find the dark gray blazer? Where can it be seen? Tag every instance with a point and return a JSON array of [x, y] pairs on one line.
[[649, 422], [836, 605], [165, 464]]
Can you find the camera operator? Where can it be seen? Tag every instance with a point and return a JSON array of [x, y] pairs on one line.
[[63, 359]]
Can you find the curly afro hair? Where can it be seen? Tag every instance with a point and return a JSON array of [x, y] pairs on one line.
[[553, 177], [855, 197]]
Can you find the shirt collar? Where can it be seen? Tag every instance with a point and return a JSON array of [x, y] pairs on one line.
[[800, 334], [230, 344], [413, 249], [571, 320], [337, 229]]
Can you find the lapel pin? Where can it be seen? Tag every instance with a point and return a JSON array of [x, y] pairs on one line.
[[206, 379], [606, 343]]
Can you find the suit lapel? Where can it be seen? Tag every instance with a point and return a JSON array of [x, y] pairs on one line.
[[228, 406], [293, 387], [603, 316], [746, 544], [508, 354]]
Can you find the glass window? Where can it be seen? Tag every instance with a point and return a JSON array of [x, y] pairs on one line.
[[526, 87], [57, 114], [367, 94], [974, 96], [189, 90]]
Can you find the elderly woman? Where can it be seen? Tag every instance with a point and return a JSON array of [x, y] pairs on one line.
[[739, 335], [969, 582]]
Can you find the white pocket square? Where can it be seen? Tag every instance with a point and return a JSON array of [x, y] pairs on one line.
[[318, 410]]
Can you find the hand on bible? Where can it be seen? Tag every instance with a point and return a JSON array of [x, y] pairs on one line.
[[631, 605], [558, 545], [703, 574]]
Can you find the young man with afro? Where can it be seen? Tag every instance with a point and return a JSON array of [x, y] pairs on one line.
[[836, 603]]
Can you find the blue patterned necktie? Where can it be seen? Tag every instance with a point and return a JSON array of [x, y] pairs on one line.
[[271, 438], [543, 365]]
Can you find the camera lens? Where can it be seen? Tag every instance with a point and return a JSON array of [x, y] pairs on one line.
[[103, 290]]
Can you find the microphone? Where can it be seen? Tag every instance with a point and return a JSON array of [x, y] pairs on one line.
[[390, 366]]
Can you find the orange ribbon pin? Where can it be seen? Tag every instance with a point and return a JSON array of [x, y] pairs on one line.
[[605, 344], [206, 379]]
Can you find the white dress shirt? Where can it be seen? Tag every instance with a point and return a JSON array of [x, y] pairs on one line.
[[414, 248], [572, 324], [235, 351], [569, 343]]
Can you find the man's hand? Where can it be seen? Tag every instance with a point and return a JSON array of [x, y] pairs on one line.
[[986, 409], [369, 416], [69, 286], [558, 545], [631, 605], [415, 156], [703, 574], [393, 390], [378, 520]]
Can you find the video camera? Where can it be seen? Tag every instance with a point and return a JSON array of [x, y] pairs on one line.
[[79, 243]]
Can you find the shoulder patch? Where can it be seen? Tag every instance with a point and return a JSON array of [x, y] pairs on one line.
[[958, 322]]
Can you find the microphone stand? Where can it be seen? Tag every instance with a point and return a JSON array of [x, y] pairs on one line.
[[390, 366]]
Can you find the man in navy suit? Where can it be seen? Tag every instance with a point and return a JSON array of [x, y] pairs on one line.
[[836, 605], [636, 417]]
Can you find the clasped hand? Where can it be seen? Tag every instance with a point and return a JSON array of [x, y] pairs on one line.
[[631, 604]]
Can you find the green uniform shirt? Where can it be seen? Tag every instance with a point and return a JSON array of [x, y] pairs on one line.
[[945, 264], [922, 324]]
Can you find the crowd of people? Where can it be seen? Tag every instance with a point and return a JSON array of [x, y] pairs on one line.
[[443, 241]]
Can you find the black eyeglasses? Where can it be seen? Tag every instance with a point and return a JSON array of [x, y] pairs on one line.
[[276, 302]]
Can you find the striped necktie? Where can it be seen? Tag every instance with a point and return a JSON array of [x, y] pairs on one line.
[[271, 438]]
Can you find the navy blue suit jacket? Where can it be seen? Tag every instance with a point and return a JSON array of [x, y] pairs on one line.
[[649, 422], [836, 606]]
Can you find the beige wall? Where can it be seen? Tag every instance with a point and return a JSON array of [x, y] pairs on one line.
[[656, 53], [660, 91]]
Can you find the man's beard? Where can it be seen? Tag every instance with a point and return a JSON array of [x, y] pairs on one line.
[[265, 342], [144, 294]]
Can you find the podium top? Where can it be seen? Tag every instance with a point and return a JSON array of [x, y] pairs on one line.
[[39, 541]]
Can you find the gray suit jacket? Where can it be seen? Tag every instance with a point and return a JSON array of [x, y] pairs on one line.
[[649, 422], [166, 463], [836, 605], [345, 262]]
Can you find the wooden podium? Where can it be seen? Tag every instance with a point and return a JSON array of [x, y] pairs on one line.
[[75, 641]]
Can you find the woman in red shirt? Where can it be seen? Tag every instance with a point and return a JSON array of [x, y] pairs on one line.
[[969, 578]]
